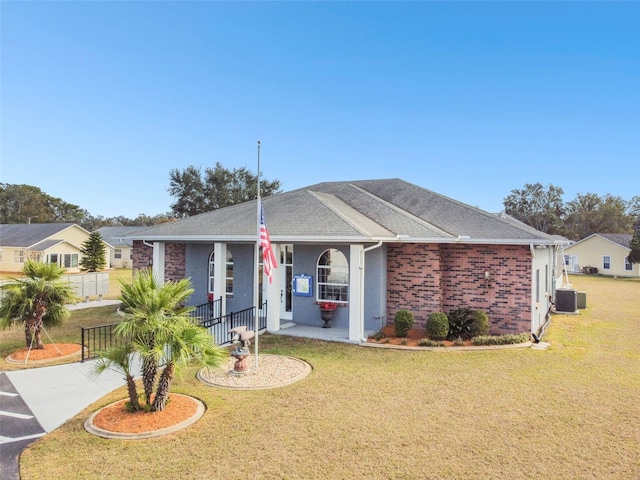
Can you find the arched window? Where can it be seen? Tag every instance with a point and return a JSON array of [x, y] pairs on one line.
[[228, 274], [333, 277]]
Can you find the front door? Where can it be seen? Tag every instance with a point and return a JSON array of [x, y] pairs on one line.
[[286, 282]]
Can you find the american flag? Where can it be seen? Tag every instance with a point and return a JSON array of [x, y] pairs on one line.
[[268, 257]]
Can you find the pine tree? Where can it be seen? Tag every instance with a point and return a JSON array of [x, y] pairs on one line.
[[634, 254], [93, 254]]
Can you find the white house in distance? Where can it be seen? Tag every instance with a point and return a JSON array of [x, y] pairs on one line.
[[606, 252], [58, 243], [120, 249]]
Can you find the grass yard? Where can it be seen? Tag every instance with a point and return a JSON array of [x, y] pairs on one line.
[[569, 412], [12, 338]]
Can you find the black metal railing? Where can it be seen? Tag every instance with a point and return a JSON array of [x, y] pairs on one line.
[[96, 339], [219, 327], [208, 311], [99, 338]]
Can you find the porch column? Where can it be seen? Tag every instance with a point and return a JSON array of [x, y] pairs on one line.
[[157, 267], [271, 292], [356, 293], [220, 275]]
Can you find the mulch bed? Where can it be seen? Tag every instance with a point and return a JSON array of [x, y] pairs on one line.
[[412, 339], [50, 352], [115, 418]]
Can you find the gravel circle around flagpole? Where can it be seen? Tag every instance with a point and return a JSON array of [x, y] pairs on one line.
[[273, 371]]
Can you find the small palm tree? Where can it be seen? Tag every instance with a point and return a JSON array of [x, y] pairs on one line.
[[183, 341], [38, 300], [147, 304], [119, 358], [162, 331]]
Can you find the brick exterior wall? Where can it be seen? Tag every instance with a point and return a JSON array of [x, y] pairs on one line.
[[425, 278], [142, 255], [175, 258]]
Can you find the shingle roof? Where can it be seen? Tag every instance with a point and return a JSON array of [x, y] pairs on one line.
[[623, 239], [355, 211], [28, 235], [114, 235]]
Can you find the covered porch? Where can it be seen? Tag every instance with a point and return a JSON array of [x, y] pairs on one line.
[[318, 333]]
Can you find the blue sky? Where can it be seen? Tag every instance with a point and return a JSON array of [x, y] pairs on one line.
[[100, 100]]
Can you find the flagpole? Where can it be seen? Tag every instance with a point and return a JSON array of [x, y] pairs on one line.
[[256, 296]]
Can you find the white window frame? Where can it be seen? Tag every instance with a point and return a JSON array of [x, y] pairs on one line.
[[628, 266], [606, 262], [332, 277], [228, 271], [18, 256], [117, 253], [70, 260]]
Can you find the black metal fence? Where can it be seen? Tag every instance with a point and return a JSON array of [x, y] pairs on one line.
[[219, 327], [96, 339], [208, 311]]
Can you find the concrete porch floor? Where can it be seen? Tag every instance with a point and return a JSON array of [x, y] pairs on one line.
[[318, 333]]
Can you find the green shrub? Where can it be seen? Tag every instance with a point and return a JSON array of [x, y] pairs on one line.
[[437, 326], [379, 335], [458, 342], [480, 324], [460, 324], [509, 339], [425, 342], [403, 322]]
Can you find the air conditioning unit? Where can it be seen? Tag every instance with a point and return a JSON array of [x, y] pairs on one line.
[[566, 301]]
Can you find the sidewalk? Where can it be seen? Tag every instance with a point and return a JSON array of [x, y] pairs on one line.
[[57, 393], [52, 395]]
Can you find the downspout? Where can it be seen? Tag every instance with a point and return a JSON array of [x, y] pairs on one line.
[[361, 267], [144, 242], [547, 321], [547, 317]]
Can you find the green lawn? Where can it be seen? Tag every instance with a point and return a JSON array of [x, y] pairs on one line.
[[569, 412]]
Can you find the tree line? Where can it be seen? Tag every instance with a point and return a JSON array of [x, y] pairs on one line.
[[544, 209], [195, 191]]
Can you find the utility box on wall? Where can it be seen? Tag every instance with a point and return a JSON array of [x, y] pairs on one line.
[[566, 301]]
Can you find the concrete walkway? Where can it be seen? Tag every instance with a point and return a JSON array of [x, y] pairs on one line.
[[36, 401]]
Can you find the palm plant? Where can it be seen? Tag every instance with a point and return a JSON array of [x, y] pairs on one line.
[[183, 341], [38, 300], [119, 358], [162, 332], [146, 304]]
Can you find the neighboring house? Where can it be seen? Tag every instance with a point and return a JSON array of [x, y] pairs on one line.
[[58, 243], [120, 253], [373, 247], [606, 252]]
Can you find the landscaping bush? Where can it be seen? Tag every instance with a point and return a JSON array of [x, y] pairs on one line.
[[437, 326], [480, 325], [403, 322], [460, 324], [508, 339], [379, 335]]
